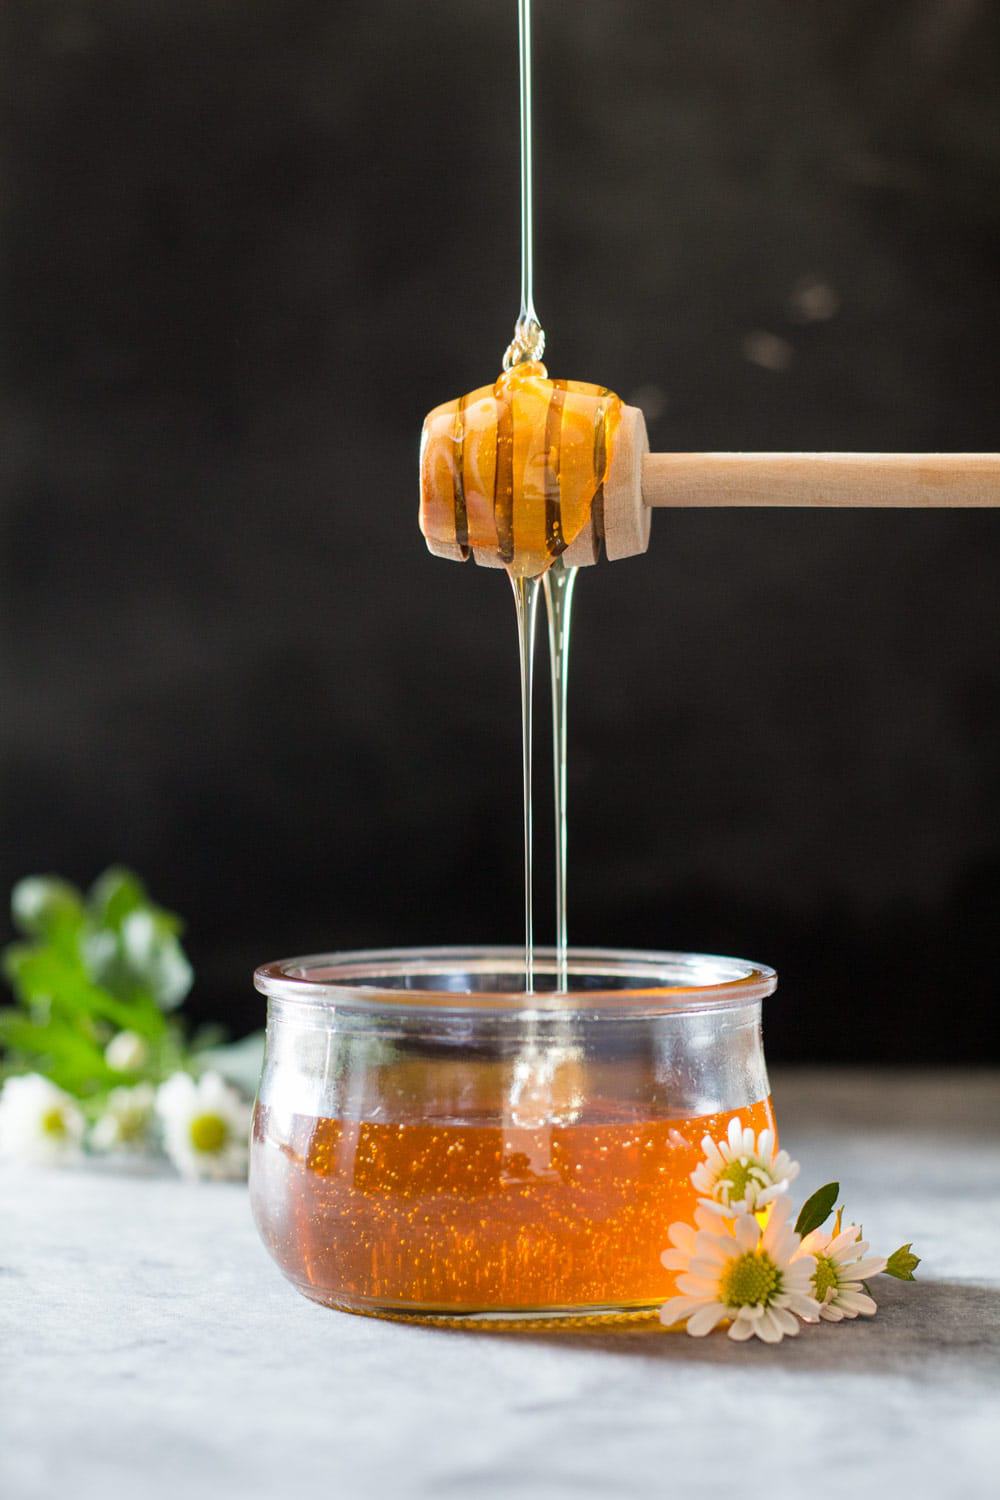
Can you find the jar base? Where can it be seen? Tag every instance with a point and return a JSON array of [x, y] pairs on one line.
[[501, 1320]]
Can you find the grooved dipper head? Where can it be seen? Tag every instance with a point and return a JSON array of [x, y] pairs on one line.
[[517, 473]]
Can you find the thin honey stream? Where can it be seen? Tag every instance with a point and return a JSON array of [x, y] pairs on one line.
[[513, 474]]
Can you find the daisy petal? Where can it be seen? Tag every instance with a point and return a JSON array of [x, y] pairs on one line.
[[845, 1240], [697, 1286], [785, 1320], [767, 1329], [677, 1308], [673, 1260], [710, 1216], [712, 1152], [857, 1302], [681, 1235], [812, 1244], [720, 1210], [707, 1268], [806, 1308], [717, 1248], [705, 1319], [861, 1270], [800, 1273], [747, 1232]]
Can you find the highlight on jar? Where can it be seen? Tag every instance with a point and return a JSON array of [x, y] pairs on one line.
[[427, 1145]]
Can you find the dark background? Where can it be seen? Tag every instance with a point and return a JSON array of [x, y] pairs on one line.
[[247, 245]]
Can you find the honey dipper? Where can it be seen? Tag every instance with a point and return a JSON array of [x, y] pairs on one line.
[[529, 469]]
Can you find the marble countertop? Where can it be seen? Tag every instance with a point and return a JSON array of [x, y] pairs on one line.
[[149, 1348]]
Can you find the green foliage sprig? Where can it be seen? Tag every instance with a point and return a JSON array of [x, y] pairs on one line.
[[87, 967]]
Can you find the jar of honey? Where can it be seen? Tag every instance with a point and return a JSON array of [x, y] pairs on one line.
[[431, 1142]]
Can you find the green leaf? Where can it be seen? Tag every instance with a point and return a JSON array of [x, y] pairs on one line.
[[902, 1263], [113, 895], [57, 1050], [817, 1209], [48, 983], [118, 893], [39, 973], [43, 906]]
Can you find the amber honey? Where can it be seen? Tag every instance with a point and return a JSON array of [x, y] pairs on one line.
[[515, 468], [478, 1218]]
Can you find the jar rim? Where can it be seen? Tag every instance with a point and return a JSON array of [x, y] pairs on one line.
[[609, 980]]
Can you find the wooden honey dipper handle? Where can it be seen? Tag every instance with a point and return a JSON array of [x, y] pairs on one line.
[[638, 480], [825, 479]]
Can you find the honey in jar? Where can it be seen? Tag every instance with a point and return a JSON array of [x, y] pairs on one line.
[[480, 1218]]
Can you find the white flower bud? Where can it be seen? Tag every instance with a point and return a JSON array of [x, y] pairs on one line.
[[127, 1052], [126, 1121]]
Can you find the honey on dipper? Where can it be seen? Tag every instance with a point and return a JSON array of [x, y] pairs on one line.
[[514, 470]]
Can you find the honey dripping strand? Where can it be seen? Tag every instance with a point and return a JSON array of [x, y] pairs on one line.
[[526, 603], [529, 340], [529, 344]]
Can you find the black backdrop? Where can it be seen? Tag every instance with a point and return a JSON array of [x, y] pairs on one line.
[[247, 245]]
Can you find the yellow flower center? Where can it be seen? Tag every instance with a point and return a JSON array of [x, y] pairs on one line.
[[825, 1276], [737, 1175], [749, 1280], [208, 1133], [54, 1123], [131, 1124]]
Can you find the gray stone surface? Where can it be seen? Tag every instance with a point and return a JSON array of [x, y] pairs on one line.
[[148, 1348]]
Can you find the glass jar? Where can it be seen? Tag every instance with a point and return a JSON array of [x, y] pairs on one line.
[[431, 1142]]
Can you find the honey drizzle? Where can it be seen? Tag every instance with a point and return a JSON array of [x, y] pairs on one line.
[[526, 606], [559, 583], [600, 464], [503, 483], [525, 589], [458, 481], [555, 542]]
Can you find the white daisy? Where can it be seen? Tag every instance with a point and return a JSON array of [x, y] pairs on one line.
[[39, 1123], [205, 1126], [731, 1268], [840, 1268], [126, 1121], [743, 1173]]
